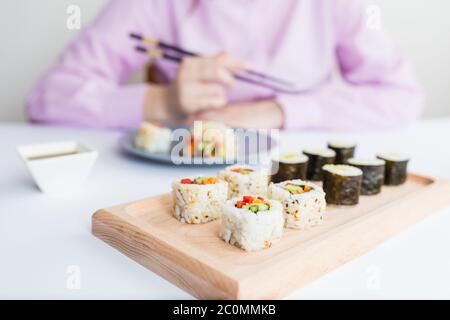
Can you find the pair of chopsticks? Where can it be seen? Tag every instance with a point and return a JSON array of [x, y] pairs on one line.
[[159, 49]]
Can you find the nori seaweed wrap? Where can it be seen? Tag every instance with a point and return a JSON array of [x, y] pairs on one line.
[[396, 168], [317, 159], [342, 184], [344, 150], [289, 166], [373, 174]]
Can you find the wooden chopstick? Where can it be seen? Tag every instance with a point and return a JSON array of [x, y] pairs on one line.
[[243, 77], [156, 53], [156, 43]]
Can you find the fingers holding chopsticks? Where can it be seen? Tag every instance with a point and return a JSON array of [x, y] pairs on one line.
[[194, 97], [160, 49], [201, 82], [216, 69], [231, 62]]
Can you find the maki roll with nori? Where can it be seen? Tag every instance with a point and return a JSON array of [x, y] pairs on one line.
[[373, 174], [344, 150], [342, 184], [317, 159], [396, 168], [289, 166]]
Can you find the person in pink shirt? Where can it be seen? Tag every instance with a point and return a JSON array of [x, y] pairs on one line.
[[302, 41]]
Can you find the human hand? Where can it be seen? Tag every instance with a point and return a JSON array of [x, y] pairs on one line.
[[201, 83], [264, 114]]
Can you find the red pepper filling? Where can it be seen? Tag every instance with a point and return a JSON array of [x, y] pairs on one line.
[[200, 180], [255, 203]]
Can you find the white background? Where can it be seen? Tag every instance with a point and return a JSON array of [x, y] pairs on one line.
[[32, 33]]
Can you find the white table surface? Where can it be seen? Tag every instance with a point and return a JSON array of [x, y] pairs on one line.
[[41, 236]]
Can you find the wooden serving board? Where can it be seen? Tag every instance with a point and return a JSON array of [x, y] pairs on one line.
[[194, 258]]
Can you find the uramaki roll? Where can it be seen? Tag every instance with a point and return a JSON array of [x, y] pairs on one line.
[[251, 222], [373, 174], [245, 180], [212, 140], [317, 159], [303, 203], [396, 168], [153, 138], [289, 166], [344, 150], [198, 200], [342, 184]]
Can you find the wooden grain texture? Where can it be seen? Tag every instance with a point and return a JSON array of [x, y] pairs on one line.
[[194, 258]]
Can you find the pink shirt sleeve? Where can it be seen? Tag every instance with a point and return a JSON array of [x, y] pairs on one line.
[[378, 88], [85, 88]]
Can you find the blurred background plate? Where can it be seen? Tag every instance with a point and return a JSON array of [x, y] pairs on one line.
[[254, 148]]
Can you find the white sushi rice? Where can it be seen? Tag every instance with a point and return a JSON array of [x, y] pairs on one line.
[[254, 182], [301, 211], [288, 157], [393, 157], [366, 162], [210, 132], [343, 170], [338, 143], [197, 203], [325, 152], [251, 231], [151, 138]]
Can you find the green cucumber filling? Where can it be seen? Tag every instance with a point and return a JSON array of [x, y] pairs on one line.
[[258, 207], [297, 189]]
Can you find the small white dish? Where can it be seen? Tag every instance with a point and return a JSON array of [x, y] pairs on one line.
[[58, 166]]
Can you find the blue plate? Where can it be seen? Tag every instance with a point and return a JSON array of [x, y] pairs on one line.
[[253, 149]]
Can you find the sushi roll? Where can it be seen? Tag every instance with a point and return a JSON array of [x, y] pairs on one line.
[[373, 174], [344, 150], [212, 140], [245, 180], [342, 184], [198, 200], [289, 166], [303, 203], [153, 138], [396, 168], [317, 159], [251, 223]]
